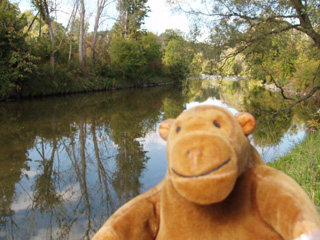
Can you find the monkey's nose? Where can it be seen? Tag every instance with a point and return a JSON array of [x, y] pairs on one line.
[[194, 153]]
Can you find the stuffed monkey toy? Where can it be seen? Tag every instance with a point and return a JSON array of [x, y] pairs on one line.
[[217, 187]]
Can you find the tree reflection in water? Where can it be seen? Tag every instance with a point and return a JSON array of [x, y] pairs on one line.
[[68, 163]]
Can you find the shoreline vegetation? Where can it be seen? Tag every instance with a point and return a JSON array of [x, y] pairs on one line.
[[39, 56], [110, 85], [303, 164]]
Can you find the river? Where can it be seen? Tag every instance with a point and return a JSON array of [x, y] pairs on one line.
[[68, 162]]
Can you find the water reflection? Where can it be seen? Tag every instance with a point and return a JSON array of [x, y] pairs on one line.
[[68, 163]]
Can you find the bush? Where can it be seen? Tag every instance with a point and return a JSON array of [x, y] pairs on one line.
[[178, 58], [127, 57], [16, 63]]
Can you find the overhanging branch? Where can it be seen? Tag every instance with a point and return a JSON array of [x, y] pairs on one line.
[[309, 95]]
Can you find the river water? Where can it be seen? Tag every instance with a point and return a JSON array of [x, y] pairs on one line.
[[67, 163]]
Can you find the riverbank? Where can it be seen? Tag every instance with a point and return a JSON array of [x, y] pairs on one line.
[[71, 85], [303, 165]]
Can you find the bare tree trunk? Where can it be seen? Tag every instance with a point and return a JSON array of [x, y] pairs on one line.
[[126, 21], [123, 17], [101, 4], [40, 26], [52, 57], [75, 9], [70, 48], [95, 30], [52, 38], [71, 33], [82, 47], [94, 42]]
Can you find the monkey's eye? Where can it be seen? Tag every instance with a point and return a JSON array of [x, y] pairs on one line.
[[178, 129], [215, 123]]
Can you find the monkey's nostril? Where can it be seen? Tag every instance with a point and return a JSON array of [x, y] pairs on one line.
[[195, 152]]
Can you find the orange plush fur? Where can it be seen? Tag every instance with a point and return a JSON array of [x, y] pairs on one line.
[[217, 187]]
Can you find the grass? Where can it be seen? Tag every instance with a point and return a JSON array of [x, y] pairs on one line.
[[303, 165]]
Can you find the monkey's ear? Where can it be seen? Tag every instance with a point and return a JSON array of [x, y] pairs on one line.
[[165, 128], [247, 122]]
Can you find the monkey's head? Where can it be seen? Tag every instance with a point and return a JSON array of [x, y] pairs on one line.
[[207, 150]]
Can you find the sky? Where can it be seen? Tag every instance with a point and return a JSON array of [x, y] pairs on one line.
[[160, 18]]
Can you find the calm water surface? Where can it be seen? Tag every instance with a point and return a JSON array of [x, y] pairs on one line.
[[67, 163]]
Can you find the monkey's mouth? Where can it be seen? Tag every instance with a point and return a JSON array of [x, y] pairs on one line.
[[202, 174]]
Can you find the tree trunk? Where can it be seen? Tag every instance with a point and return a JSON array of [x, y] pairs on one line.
[[52, 38], [75, 9], [71, 34], [82, 47], [123, 17], [305, 22], [95, 30], [40, 25], [101, 4], [52, 57], [70, 48], [126, 23]]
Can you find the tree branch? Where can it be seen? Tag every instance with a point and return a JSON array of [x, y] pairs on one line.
[[309, 95], [31, 24], [281, 89], [277, 85]]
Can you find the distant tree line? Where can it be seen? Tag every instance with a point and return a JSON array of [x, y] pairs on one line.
[[40, 56]]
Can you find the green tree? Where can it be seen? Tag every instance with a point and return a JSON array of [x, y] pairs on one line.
[[127, 58], [131, 16], [16, 63], [178, 58], [275, 60], [152, 52], [170, 34], [251, 26], [136, 60]]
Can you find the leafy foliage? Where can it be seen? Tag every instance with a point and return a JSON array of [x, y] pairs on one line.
[[127, 58], [277, 41], [178, 58], [132, 14], [16, 63]]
